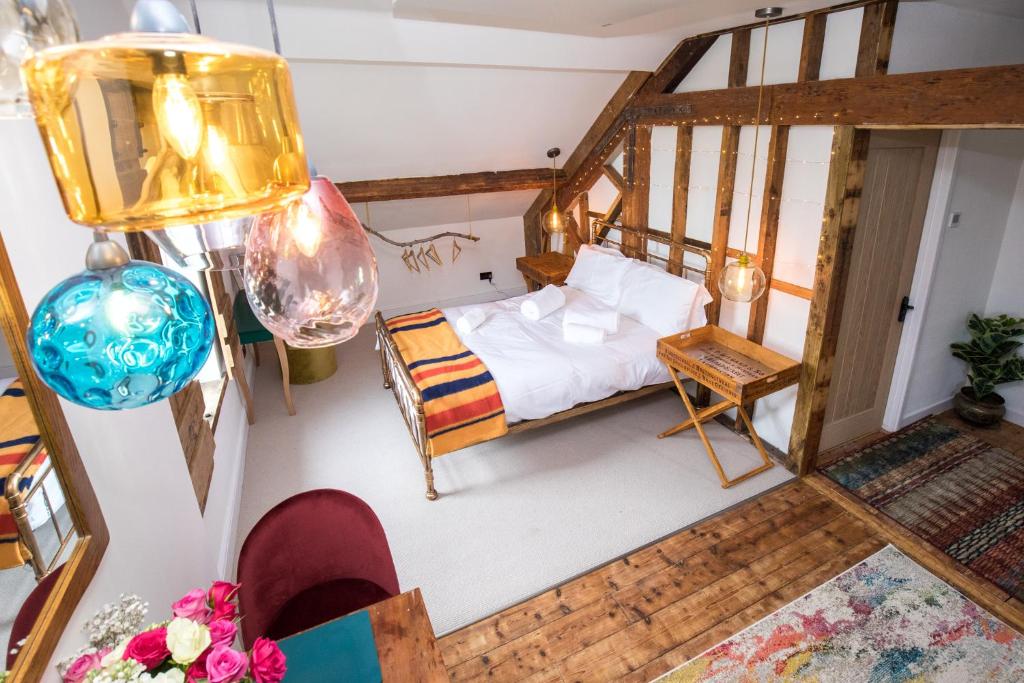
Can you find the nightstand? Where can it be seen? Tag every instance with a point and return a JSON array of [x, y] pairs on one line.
[[549, 268]]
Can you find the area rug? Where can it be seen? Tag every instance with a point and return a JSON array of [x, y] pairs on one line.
[[962, 495], [885, 619]]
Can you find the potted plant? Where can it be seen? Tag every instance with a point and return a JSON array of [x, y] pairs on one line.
[[991, 361]]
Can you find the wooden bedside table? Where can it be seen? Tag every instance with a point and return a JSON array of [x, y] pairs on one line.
[[549, 268], [736, 368]]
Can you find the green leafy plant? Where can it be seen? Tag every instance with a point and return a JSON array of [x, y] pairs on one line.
[[990, 353]]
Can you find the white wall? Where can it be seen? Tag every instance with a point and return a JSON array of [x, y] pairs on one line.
[[985, 186]]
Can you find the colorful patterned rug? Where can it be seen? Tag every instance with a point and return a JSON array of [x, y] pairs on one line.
[[955, 491], [885, 619]]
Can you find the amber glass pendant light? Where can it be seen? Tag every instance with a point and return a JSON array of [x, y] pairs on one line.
[[742, 280], [153, 129], [554, 221]]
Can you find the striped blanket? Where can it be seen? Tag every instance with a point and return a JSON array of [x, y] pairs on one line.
[[461, 403], [18, 434]]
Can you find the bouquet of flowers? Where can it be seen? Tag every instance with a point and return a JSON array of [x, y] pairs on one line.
[[195, 646]]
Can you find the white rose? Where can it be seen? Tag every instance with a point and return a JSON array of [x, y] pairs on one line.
[[170, 676], [186, 640], [115, 655]]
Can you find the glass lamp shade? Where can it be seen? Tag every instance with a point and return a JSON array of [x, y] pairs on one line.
[[27, 25], [121, 337], [310, 273], [149, 130], [214, 246], [554, 221], [741, 280]]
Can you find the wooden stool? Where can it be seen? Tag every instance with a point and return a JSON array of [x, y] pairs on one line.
[[251, 331], [738, 369]]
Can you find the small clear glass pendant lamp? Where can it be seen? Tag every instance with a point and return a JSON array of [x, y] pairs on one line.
[[554, 221], [149, 130], [310, 273], [120, 334], [742, 280], [27, 25]]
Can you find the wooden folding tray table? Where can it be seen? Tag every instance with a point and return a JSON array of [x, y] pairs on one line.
[[738, 369]]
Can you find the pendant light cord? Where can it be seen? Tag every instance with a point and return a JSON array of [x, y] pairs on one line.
[[195, 16], [273, 26], [554, 182], [757, 131]]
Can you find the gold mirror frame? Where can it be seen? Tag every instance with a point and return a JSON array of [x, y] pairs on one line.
[[80, 498]]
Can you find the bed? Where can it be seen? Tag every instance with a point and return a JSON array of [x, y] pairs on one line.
[[31, 497], [541, 378]]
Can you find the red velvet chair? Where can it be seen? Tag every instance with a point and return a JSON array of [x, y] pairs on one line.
[[312, 558], [29, 612]]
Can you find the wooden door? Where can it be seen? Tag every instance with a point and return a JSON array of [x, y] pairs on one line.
[[897, 182]]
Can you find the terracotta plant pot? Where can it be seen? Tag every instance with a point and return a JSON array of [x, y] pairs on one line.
[[985, 413]]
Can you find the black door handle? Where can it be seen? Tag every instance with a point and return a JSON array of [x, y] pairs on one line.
[[904, 307]]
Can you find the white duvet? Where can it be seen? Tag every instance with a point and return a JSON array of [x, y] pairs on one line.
[[538, 374]]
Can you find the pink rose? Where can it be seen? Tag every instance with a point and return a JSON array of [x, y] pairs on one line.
[[225, 665], [268, 662], [149, 648], [222, 632], [193, 606], [222, 596], [83, 665]]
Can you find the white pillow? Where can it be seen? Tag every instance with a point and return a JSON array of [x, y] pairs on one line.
[[664, 302], [598, 272]]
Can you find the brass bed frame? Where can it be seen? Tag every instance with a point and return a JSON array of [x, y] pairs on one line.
[[18, 500], [398, 378]]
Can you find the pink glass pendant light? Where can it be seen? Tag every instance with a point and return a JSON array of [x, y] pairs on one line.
[[310, 273]]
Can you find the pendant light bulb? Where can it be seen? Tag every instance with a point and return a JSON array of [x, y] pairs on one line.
[[120, 334], [310, 274], [741, 280], [179, 115], [554, 222]]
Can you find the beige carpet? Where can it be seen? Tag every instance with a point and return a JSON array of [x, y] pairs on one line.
[[516, 515]]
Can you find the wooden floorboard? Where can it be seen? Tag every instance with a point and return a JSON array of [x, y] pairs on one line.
[[648, 612]]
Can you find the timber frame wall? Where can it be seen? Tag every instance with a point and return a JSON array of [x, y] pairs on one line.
[[988, 97]]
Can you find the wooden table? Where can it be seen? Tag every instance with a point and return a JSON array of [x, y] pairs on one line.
[[406, 646], [549, 268], [737, 369]]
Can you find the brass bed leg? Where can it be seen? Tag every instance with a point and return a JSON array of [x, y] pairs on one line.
[[428, 473], [382, 347]]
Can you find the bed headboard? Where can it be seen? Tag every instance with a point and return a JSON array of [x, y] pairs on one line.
[[645, 245]]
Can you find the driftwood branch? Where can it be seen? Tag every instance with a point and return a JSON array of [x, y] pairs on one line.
[[422, 240]]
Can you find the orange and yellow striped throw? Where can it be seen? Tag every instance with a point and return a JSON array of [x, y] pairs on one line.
[[461, 403], [18, 434]]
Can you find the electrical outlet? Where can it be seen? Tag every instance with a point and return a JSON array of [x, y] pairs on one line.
[[954, 219], [488, 275]]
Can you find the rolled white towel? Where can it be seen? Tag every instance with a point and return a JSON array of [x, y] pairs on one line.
[[542, 303], [470, 320], [574, 333], [605, 318]]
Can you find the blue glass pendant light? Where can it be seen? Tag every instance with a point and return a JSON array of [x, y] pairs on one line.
[[120, 334]]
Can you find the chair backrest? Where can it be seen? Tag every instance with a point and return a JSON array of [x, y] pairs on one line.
[[305, 541], [29, 612]]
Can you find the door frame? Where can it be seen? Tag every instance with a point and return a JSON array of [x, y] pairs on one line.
[[932, 235]]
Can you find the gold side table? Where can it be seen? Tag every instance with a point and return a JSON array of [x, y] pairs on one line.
[[309, 366]]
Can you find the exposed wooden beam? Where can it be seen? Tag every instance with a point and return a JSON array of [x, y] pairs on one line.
[[842, 204], [769, 229], [680, 196], [388, 189], [739, 58], [613, 176], [636, 198], [812, 46], [965, 98], [601, 135], [876, 38], [792, 289], [723, 215], [673, 69]]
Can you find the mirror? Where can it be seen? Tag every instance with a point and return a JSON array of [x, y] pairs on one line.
[[52, 534]]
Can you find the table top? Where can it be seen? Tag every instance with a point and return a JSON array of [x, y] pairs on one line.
[[550, 264], [406, 646]]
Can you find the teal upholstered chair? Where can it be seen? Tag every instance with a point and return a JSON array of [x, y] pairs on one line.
[[251, 332]]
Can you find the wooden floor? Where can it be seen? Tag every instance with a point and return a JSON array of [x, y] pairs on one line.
[[640, 616]]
